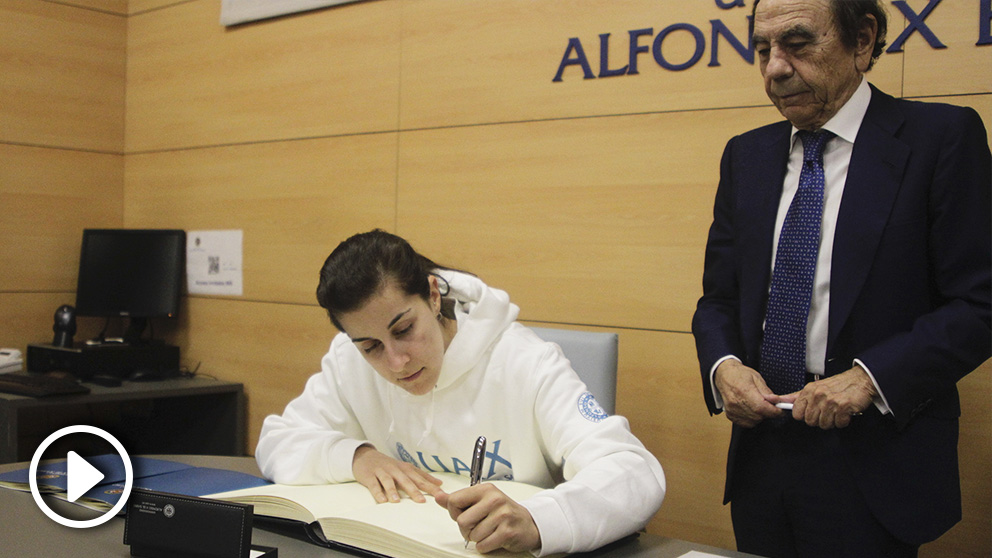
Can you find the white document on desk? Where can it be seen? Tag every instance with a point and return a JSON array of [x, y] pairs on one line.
[[697, 554], [213, 262]]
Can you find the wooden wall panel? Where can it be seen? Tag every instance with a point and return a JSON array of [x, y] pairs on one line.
[[141, 6], [191, 82], [593, 221], [119, 7], [483, 62], [961, 67], [660, 386], [271, 348], [62, 76], [294, 200], [48, 197]]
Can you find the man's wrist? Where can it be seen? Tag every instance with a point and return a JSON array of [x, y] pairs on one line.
[[878, 397], [865, 380], [717, 396]]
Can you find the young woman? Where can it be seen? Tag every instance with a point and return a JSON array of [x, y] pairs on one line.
[[427, 360]]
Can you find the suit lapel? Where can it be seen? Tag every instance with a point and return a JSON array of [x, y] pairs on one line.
[[767, 165], [874, 177]]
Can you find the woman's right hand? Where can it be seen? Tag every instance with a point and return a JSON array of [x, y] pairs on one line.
[[386, 477]]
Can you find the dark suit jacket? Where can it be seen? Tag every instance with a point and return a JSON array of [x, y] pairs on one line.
[[909, 292]]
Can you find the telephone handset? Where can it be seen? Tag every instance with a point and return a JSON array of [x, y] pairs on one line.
[[10, 360]]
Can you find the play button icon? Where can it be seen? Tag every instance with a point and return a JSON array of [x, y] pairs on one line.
[[81, 476]]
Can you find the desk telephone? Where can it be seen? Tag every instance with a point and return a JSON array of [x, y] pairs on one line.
[[10, 360]]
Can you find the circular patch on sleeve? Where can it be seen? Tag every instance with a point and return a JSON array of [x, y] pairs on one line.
[[590, 409]]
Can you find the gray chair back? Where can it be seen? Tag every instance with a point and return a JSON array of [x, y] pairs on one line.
[[593, 355]]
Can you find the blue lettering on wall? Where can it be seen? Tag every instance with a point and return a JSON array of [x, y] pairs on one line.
[[915, 22], [574, 45], [984, 23], [659, 56], [720, 30], [604, 58], [636, 48], [575, 55]]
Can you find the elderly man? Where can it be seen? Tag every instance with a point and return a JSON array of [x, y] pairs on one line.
[[847, 278]]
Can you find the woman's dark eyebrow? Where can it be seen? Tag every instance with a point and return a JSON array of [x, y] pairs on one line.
[[398, 317], [392, 322]]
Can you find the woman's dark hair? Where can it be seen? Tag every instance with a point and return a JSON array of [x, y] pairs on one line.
[[849, 15], [361, 265]]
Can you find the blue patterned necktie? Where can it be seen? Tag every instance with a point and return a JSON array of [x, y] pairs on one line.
[[783, 350]]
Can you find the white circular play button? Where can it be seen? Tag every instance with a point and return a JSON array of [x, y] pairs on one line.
[[81, 476]]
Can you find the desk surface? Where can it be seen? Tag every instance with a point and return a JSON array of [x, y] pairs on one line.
[[197, 415], [173, 387], [27, 532]]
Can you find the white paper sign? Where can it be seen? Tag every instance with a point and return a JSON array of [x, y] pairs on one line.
[[213, 262], [233, 12]]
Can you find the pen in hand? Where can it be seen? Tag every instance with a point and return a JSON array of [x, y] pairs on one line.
[[478, 455]]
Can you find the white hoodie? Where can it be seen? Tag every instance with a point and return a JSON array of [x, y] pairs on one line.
[[497, 380]]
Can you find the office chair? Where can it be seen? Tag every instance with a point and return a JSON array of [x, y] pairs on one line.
[[594, 358]]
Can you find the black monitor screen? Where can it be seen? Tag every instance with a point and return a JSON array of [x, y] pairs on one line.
[[130, 272]]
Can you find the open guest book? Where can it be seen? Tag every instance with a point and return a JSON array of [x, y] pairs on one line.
[[346, 516]]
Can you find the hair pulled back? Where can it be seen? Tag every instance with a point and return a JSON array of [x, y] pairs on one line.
[[365, 263]]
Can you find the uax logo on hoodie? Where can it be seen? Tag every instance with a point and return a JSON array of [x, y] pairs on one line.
[[499, 468]]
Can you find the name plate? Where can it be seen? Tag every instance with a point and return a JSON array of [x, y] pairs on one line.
[[162, 525]]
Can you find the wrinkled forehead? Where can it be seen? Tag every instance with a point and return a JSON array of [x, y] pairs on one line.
[[778, 19]]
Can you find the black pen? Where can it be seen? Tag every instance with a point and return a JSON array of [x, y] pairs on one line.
[[478, 456]]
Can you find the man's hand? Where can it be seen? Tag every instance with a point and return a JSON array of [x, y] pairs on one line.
[[385, 477], [747, 400], [491, 518], [831, 402]]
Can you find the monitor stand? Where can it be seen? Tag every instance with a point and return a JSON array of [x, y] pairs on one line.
[[135, 330]]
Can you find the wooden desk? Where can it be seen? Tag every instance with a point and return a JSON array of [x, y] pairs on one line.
[[177, 416], [27, 532]]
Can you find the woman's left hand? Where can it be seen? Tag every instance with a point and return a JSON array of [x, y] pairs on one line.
[[491, 518], [386, 477]]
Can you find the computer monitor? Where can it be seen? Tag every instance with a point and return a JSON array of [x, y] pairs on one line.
[[132, 273]]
